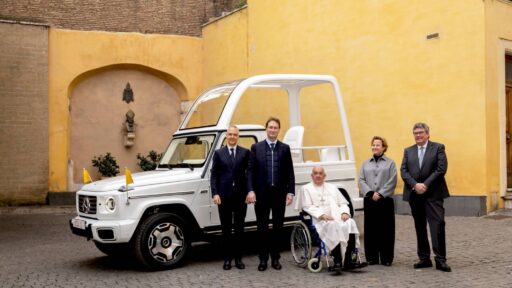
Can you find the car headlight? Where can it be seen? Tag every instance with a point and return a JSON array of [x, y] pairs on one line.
[[110, 204]]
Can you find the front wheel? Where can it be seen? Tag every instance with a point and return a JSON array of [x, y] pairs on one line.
[[161, 241], [315, 265]]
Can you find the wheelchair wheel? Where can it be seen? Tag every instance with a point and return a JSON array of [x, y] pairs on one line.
[[300, 242], [315, 265]]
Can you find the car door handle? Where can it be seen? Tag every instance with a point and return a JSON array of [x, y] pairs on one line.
[[204, 191]]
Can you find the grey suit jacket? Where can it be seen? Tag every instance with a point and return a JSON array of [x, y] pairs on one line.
[[378, 177], [431, 173]]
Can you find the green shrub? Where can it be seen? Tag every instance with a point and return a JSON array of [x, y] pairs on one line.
[[107, 165], [149, 162]]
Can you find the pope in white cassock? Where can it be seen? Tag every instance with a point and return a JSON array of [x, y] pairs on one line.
[[331, 217]]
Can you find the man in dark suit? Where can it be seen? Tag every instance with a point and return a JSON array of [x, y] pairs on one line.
[[229, 191], [271, 183], [423, 168]]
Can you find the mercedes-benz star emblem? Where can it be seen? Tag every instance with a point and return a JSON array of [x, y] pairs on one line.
[[86, 205]]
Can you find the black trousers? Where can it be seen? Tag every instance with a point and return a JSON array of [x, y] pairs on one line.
[[232, 215], [336, 252], [379, 229], [431, 210], [270, 239]]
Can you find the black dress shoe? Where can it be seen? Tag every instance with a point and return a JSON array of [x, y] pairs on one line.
[[352, 266], [441, 265], [227, 265], [239, 264], [336, 268], [373, 262], [262, 266], [425, 263], [386, 264], [276, 265]]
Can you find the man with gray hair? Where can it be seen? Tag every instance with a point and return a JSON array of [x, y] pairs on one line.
[[332, 219], [423, 168], [229, 189]]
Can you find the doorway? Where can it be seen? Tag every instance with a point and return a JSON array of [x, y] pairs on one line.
[[508, 99]]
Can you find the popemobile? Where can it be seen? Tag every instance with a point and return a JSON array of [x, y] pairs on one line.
[[156, 215]]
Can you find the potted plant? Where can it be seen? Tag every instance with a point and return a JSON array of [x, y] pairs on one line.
[[106, 164], [149, 162]]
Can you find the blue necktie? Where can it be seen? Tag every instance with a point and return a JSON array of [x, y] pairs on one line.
[[232, 154], [272, 153]]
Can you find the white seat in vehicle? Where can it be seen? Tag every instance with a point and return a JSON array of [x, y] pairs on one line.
[[330, 154], [294, 137]]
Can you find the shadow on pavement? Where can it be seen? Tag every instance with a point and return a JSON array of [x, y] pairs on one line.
[[202, 252]]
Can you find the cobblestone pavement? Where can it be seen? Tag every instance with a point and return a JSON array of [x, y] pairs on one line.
[[38, 250]]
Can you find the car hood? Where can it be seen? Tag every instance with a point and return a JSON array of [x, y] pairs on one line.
[[143, 179]]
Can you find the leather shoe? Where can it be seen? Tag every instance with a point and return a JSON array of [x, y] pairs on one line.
[[353, 266], [227, 265], [336, 268], [386, 264], [263, 266], [441, 265], [276, 265], [425, 263], [371, 262], [239, 264]]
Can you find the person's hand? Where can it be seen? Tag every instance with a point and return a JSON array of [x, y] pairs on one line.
[[345, 217], [216, 200], [420, 188], [326, 217], [376, 196], [251, 198], [289, 199]]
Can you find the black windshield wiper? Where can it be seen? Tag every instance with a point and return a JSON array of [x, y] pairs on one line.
[[178, 165]]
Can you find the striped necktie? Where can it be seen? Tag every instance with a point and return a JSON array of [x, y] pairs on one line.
[[422, 154]]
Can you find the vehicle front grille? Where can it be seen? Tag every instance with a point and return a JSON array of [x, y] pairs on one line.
[[87, 204]]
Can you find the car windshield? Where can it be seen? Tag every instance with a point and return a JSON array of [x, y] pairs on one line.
[[207, 110], [187, 152]]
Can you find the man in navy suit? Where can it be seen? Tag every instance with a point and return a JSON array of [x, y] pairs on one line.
[[423, 168], [271, 182], [229, 191]]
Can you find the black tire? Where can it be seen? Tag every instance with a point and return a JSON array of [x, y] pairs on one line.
[[300, 244], [161, 241], [114, 249]]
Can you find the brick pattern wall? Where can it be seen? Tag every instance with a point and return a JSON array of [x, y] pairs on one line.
[[23, 114], [181, 17]]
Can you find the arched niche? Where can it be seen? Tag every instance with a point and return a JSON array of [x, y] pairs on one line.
[[98, 115]]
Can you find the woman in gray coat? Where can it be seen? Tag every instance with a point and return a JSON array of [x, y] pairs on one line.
[[377, 181]]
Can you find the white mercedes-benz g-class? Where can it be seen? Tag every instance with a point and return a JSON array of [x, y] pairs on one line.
[[158, 216]]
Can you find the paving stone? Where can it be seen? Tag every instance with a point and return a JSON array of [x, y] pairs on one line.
[[38, 250]]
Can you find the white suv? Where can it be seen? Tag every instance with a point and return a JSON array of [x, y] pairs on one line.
[[158, 216]]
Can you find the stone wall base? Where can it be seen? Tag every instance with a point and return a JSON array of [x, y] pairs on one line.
[[454, 206]]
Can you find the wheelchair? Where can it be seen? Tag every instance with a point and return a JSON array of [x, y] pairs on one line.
[[304, 239]]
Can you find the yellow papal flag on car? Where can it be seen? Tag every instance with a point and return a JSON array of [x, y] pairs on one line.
[[87, 177], [128, 176]]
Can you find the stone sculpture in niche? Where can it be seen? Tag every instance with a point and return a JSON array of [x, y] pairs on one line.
[[130, 129]]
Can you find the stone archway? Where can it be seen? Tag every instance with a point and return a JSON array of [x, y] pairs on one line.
[[98, 121]]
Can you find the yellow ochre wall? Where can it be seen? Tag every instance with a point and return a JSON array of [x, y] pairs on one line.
[[390, 75], [73, 54]]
